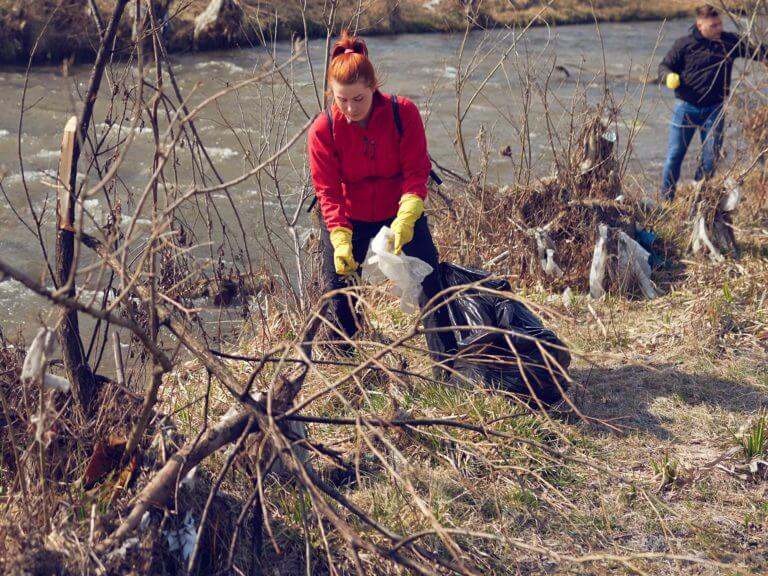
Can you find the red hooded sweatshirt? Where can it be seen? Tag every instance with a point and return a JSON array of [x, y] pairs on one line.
[[361, 173]]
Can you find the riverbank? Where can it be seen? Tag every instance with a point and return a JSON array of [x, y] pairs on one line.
[[54, 30], [653, 472], [656, 465]]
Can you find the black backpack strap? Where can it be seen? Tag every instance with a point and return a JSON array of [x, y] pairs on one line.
[[329, 116], [435, 178], [399, 123], [396, 112]]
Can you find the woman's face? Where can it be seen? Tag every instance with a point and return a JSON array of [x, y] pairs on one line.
[[354, 100]]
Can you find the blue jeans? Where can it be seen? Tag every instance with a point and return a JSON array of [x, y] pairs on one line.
[[686, 119]]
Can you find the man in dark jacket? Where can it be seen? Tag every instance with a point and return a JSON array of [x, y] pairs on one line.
[[698, 68]]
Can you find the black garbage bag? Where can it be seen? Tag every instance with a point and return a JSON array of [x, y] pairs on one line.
[[500, 341]]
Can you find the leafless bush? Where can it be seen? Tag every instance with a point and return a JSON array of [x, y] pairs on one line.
[[511, 227], [101, 480]]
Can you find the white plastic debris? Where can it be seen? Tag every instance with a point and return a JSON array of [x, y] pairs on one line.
[[545, 248], [36, 360], [700, 240], [38, 421], [550, 267], [189, 480], [731, 200], [56, 383], [599, 260], [568, 297], [144, 522], [543, 241], [37, 356], [715, 236], [405, 272], [184, 538], [633, 260], [121, 551]]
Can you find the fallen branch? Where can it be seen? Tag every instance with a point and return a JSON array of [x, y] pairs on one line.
[[161, 487]]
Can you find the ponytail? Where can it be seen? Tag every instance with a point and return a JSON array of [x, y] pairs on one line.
[[350, 62]]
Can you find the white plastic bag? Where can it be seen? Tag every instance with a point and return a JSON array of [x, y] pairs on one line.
[[183, 539], [545, 248], [599, 260], [567, 297], [731, 200], [551, 268], [405, 272], [39, 352], [633, 260], [56, 383], [700, 239], [36, 361]]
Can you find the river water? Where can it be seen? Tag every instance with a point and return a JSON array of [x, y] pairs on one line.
[[411, 65]]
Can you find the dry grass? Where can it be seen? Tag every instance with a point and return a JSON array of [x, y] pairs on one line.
[[666, 387], [652, 479], [654, 470]]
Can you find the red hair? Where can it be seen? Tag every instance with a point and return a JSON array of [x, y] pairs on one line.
[[350, 63]]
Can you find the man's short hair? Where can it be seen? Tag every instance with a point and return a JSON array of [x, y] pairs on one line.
[[706, 11]]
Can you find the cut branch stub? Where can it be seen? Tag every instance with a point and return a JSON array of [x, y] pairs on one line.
[[75, 363], [64, 200]]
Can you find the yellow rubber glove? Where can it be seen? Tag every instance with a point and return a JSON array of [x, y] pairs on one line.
[[673, 81], [341, 239], [411, 209]]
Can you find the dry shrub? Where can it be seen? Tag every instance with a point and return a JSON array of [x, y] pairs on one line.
[[50, 486], [755, 129], [11, 360], [44, 449], [754, 207], [573, 232], [703, 203], [484, 223]]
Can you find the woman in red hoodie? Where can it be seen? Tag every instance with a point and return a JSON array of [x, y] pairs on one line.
[[369, 173]]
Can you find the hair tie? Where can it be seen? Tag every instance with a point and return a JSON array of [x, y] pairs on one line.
[[349, 51]]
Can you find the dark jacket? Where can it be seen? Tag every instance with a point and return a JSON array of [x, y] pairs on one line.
[[705, 66]]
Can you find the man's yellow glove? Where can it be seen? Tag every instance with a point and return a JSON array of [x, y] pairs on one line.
[[673, 81], [411, 209], [343, 259]]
